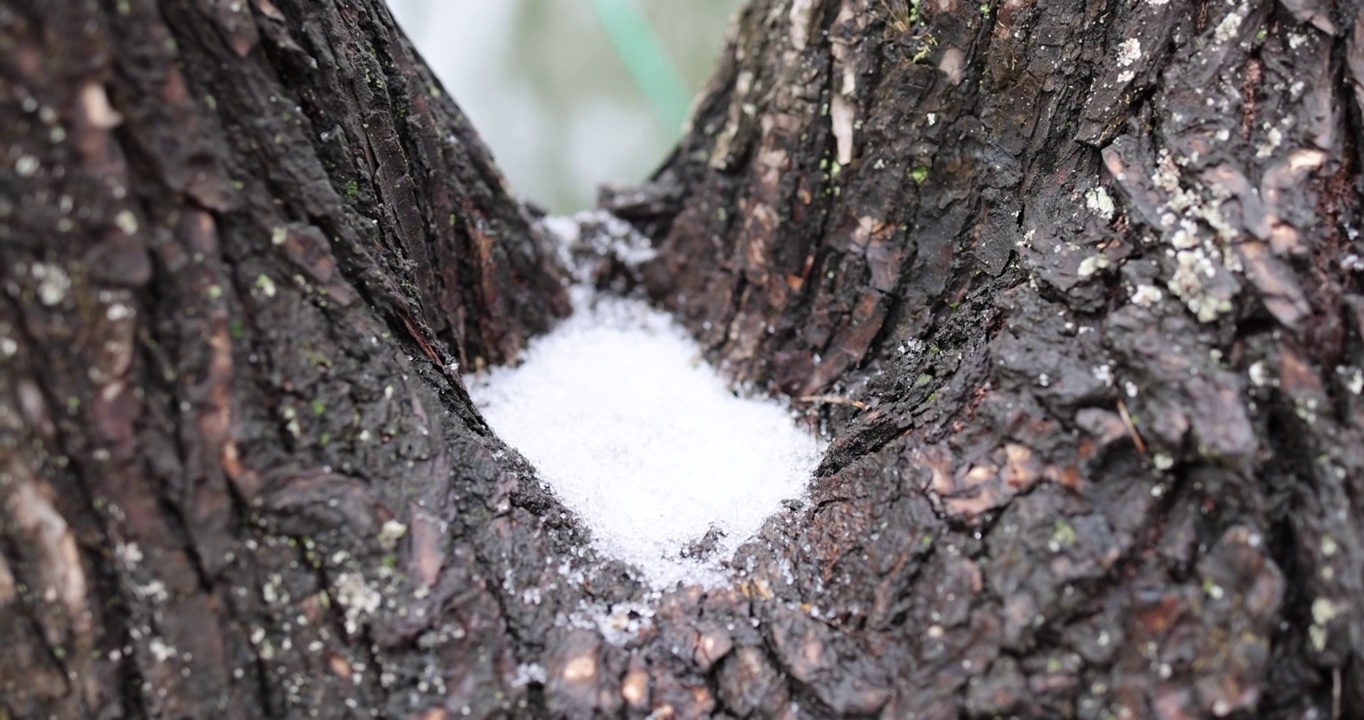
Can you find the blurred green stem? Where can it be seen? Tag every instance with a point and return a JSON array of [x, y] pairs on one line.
[[645, 59]]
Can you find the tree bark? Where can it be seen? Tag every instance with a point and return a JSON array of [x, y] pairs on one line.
[[1087, 275]]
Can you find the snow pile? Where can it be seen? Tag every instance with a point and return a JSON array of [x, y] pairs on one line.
[[633, 431]]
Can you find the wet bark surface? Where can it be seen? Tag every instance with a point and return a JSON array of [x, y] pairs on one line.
[[1075, 288]]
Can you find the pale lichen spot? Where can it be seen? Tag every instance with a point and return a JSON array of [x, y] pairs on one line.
[[527, 673], [53, 283], [270, 590], [1091, 265], [391, 532], [1273, 139], [128, 554], [155, 591], [1259, 373], [1146, 295], [1185, 236], [1099, 202], [1318, 637], [1187, 285], [161, 650], [265, 285], [1129, 51], [1226, 29], [1213, 590], [1355, 384], [1306, 409], [1324, 611], [291, 421], [357, 598], [26, 166], [127, 222]]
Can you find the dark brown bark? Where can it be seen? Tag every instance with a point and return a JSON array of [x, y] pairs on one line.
[[245, 247], [1084, 266]]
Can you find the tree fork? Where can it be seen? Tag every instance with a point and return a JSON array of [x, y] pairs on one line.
[[1086, 277]]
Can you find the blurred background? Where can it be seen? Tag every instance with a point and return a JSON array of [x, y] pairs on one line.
[[570, 94]]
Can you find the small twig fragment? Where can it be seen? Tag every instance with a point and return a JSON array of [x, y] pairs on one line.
[[1131, 427]]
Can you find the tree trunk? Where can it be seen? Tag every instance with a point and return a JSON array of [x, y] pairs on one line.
[[1085, 277]]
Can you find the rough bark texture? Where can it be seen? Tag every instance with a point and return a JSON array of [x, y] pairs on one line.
[[1083, 279]]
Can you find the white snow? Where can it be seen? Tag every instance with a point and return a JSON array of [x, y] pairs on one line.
[[644, 440]]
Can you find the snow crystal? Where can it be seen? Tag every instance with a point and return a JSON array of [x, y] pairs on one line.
[[619, 414]]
